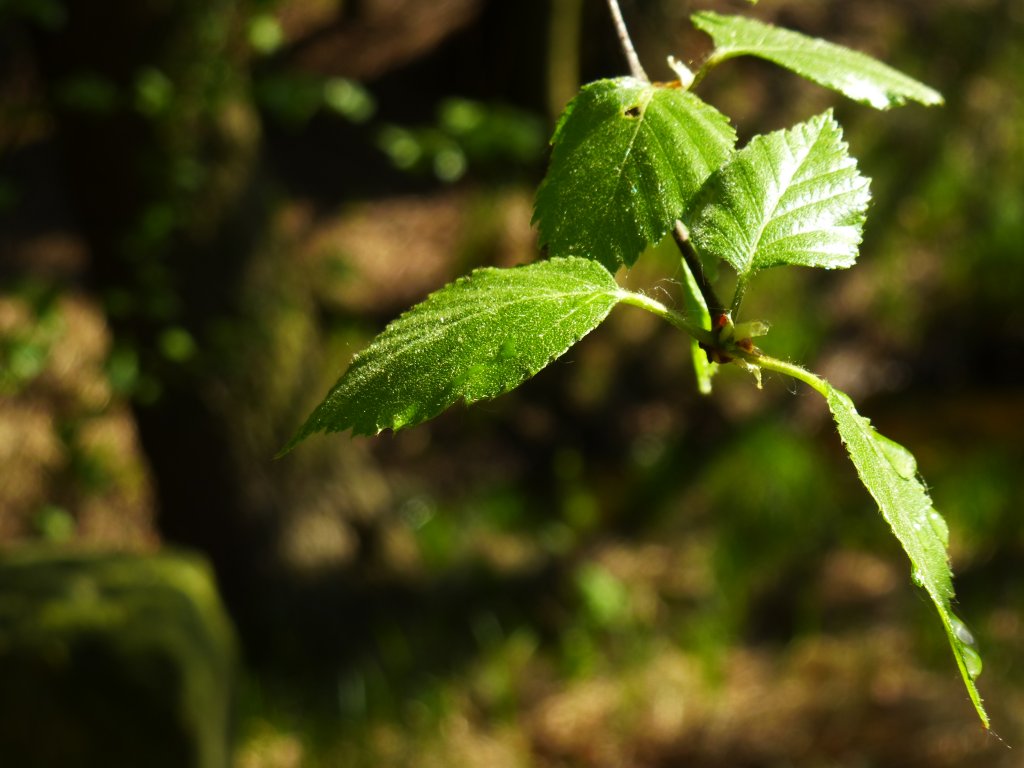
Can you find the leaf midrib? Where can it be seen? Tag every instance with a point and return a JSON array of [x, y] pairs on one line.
[[648, 95], [783, 189], [433, 334]]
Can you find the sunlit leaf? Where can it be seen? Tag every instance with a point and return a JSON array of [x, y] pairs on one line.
[[628, 157], [474, 339], [697, 310], [789, 197], [888, 471], [851, 73]]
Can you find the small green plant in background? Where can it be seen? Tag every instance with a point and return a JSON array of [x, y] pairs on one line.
[[632, 162]]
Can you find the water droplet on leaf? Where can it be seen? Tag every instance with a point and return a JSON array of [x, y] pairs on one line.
[[960, 631], [939, 526], [900, 458], [972, 661]]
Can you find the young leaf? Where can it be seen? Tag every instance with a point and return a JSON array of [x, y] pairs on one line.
[[476, 338], [851, 73], [888, 471], [627, 158], [789, 197], [697, 308]]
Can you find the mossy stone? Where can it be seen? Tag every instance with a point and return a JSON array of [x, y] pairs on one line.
[[113, 660]]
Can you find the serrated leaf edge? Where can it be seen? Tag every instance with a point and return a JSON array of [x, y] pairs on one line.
[[859, 185], [817, 47], [316, 421]]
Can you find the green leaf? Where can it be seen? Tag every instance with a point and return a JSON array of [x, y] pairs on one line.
[[628, 157], [476, 338], [697, 310], [789, 197], [851, 73], [888, 471]]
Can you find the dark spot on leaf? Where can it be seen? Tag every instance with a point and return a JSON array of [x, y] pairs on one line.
[[633, 111]]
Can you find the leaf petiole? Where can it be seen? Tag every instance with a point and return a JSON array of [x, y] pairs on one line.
[[678, 319], [715, 58], [766, 363]]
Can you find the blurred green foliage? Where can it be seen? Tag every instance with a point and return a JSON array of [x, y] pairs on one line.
[[468, 135], [25, 348], [595, 514]]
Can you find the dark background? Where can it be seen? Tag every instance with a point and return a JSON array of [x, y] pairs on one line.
[[206, 207]]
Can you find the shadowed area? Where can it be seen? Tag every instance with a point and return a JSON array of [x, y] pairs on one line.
[[206, 208]]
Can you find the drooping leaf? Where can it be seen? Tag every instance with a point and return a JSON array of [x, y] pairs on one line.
[[788, 197], [474, 339], [851, 73], [888, 471], [627, 158]]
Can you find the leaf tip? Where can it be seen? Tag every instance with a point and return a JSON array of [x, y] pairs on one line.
[[934, 99], [288, 447]]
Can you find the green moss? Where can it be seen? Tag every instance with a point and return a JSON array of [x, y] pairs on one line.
[[112, 660]]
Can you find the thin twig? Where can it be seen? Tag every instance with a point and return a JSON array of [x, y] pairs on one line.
[[682, 237], [635, 67], [679, 232], [737, 298]]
